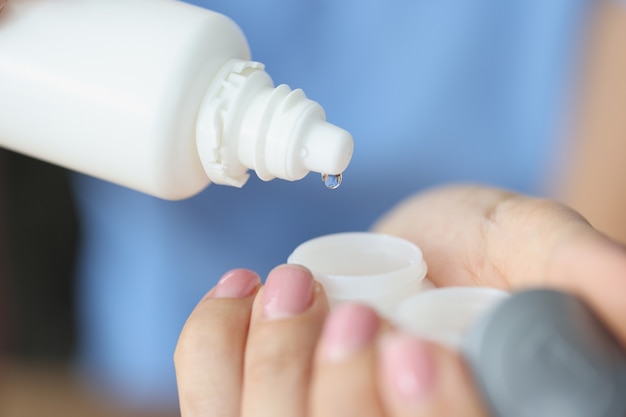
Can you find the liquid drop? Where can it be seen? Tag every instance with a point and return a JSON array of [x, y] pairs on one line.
[[331, 181]]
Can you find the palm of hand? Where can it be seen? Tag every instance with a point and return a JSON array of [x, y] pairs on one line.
[[478, 236]]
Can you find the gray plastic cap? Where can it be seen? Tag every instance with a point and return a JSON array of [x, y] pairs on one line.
[[544, 353]]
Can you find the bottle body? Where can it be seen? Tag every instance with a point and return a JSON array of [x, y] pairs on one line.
[[114, 89], [111, 88]]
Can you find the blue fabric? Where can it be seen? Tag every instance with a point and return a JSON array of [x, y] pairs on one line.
[[433, 91]]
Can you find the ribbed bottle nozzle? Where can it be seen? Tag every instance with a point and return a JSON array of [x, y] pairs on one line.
[[247, 123]]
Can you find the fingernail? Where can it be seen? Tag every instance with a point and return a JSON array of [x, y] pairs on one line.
[[237, 283], [288, 291], [408, 367], [348, 329]]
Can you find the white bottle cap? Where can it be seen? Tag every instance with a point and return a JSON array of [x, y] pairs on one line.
[[444, 314], [376, 269], [245, 123]]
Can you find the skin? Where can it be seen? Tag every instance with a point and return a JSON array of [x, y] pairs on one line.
[[237, 357], [595, 174]]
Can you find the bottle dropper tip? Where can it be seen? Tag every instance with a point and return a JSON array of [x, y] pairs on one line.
[[328, 148]]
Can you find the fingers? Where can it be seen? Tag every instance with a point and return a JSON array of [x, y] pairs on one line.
[[286, 322], [365, 368], [424, 379], [345, 374], [246, 355], [210, 350]]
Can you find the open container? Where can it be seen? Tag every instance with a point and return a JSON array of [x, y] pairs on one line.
[[445, 314], [376, 269]]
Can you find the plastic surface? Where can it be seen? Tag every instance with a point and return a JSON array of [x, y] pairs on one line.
[[544, 353], [244, 122], [377, 269], [113, 89], [445, 314]]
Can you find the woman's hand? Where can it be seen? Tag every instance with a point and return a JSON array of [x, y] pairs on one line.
[[267, 334], [248, 350], [473, 235], [268, 352]]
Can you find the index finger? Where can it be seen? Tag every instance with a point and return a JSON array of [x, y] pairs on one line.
[[210, 350]]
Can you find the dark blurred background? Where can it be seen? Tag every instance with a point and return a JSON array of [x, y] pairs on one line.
[[39, 236]]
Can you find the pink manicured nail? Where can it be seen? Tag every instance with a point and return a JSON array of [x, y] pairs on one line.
[[288, 291], [237, 283], [348, 329], [408, 367]]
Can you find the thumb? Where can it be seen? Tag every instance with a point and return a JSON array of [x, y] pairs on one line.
[[418, 378]]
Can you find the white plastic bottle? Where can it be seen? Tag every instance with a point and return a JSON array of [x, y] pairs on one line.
[[155, 95]]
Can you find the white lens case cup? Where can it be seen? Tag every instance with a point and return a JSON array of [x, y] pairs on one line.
[[389, 274], [376, 269]]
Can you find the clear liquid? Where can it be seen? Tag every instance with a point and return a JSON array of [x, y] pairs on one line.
[[331, 181]]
